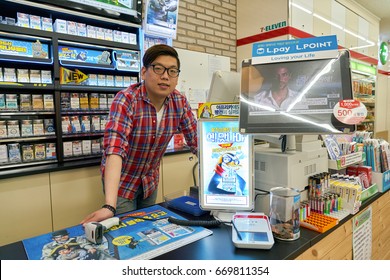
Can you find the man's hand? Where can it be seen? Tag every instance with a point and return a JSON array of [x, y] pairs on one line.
[[98, 216]]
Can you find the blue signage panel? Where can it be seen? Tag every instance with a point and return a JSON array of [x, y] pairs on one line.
[[296, 49]]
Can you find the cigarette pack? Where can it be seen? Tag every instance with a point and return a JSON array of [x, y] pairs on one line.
[[71, 27], [74, 101], [9, 75], [110, 99], [38, 127], [84, 104], [81, 29], [25, 102], [14, 153], [35, 76], [40, 151], [60, 26], [85, 123], [109, 80], [23, 75], [102, 101], [48, 126], [23, 19], [108, 34], [126, 81], [95, 123], [3, 129], [91, 31], [65, 124], [125, 37], [119, 81], [35, 22], [96, 148], [103, 122], [133, 38], [77, 148], [13, 128], [94, 101], [68, 149], [65, 101], [46, 77], [100, 33], [92, 80], [51, 151], [27, 128], [11, 101], [3, 154], [48, 102], [101, 81], [37, 102], [117, 36], [75, 122], [28, 153], [47, 24], [2, 101], [86, 145]]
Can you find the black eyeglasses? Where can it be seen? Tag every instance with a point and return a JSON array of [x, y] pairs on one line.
[[160, 70]]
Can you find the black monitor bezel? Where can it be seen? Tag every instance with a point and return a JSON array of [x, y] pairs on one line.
[[277, 125]]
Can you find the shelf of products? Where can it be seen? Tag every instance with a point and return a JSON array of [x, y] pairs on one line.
[[363, 85], [59, 75]]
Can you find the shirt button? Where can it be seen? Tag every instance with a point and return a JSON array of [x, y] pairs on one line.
[[154, 121]]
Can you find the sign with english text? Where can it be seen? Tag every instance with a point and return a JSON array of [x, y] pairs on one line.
[[296, 49]]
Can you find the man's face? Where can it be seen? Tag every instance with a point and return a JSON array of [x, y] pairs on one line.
[[61, 238], [160, 85], [282, 76]]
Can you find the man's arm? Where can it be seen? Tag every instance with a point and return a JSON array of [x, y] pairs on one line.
[[112, 175]]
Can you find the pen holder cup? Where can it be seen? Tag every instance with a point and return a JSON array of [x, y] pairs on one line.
[[284, 213]]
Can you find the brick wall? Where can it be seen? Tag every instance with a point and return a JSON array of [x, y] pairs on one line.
[[208, 26]]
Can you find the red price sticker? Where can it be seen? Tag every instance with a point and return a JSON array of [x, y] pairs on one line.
[[350, 111]]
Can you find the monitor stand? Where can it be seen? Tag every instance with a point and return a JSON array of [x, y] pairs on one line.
[[225, 216]]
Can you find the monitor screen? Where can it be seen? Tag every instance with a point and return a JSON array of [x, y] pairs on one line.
[[224, 87], [295, 97], [225, 162], [128, 10]]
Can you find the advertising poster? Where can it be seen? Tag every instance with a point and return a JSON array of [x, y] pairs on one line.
[[127, 60], [142, 234], [161, 18], [225, 157], [24, 48], [66, 53]]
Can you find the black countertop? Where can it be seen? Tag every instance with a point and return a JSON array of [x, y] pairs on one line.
[[219, 245]]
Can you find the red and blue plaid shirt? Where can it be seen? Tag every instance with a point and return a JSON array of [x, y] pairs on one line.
[[132, 133]]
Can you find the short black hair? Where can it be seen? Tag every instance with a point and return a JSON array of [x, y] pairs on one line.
[[155, 51]]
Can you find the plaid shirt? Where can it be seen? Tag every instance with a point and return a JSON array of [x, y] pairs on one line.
[[132, 133]]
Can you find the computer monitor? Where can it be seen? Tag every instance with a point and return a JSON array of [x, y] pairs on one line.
[[225, 162], [224, 87], [314, 88]]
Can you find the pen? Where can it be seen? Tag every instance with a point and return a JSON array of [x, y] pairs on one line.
[[238, 233]]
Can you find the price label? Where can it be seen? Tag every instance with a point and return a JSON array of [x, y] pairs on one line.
[[350, 111]]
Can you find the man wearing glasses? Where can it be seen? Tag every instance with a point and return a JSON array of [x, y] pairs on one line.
[[143, 118]]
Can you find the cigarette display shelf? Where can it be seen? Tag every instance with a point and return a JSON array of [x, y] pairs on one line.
[[54, 41]]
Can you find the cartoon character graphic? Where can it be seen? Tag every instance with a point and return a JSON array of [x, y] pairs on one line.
[[82, 56], [206, 112], [226, 180]]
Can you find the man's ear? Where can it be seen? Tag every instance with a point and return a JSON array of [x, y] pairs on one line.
[[143, 71]]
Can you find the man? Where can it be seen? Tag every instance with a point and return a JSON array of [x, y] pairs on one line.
[[279, 96], [143, 118]]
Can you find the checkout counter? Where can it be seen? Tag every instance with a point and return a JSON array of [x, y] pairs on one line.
[[219, 246]]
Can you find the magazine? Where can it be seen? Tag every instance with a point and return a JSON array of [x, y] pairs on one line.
[[142, 234]]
